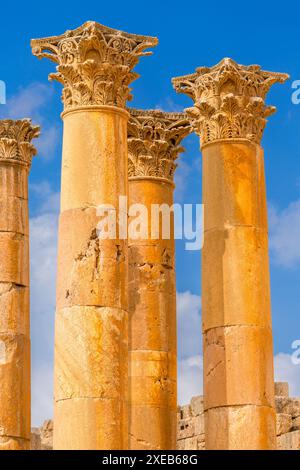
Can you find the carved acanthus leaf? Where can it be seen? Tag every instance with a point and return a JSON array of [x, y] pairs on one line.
[[15, 140], [229, 100], [154, 139], [95, 63]]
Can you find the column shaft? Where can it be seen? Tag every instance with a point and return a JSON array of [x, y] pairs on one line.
[[15, 160], [229, 115], [91, 341], [237, 334], [95, 66], [152, 333]]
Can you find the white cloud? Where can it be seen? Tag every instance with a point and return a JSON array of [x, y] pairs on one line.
[[284, 228], [189, 324], [181, 179], [47, 142], [189, 346], [28, 101], [42, 393], [33, 102], [43, 248], [286, 371], [190, 378], [168, 105]]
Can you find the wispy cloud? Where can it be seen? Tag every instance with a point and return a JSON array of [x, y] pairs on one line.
[[189, 324], [190, 378], [284, 228], [169, 106], [181, 179], [286, 371], [190, 364], [33, 102], [43, 249]]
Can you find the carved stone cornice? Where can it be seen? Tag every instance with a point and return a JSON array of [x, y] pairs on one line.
[[229, 100], [15, 141], [154, 139], [95, 63]]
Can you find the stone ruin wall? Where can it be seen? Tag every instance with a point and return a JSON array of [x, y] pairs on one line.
[[190, 431], [190, 424]]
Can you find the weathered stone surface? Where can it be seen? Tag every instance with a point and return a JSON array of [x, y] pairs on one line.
[[47, 435], [91, 343], [190, 443], [89, 52], [99, 132], [191, 425], [289, 441], [190, 429], [153, 146], [92, 276], [82, 255], [229, 100], [13, 251], [100, 423], [227, 353], [296, 407], [229, 114], [15, 386], [284, 405], [236, 256], [186, 428], [281, 389], [13, 213], [224, 428], [14, 308], [296, 424], [35, 439], [16, 152], [91, 366], [152, 306], [197, 406], [283, 423], [91, 339], [154, 428], [13, 443], [199, 425], [185, 412]]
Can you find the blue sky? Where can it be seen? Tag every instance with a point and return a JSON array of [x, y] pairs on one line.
[[190, 35]]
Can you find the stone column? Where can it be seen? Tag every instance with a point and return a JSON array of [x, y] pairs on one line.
[[91, 335], [229, 114], [153, 145], [16, 152]]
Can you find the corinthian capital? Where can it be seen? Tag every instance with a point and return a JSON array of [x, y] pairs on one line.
[[154, 139], [95, 63], [15, 141], [229, 100]]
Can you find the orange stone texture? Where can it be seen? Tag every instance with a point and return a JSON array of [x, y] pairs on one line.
[[16, 152], [229, 115], [153, 145], [95, 66]]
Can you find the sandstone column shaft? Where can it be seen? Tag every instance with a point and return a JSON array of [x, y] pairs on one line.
[[230, 115], [154, 139], [15, 160], [237, 330], [91, 332]]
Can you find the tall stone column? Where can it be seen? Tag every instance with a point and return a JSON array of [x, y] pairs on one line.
[[16, 152], [229, 114], [91, 334], [153, 145]]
